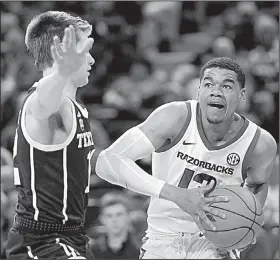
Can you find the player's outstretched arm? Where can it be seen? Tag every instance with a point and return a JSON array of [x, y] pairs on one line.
[[116, 164], [67, 59], [260, 166]]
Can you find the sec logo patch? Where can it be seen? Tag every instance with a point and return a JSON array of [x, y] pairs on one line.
[[233, 159]]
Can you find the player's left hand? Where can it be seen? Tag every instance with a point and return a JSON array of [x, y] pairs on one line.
[[196, 203]]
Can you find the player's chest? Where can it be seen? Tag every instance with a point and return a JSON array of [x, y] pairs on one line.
[[192, 165]]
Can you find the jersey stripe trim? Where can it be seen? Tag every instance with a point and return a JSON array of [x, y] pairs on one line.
[[65, 185], [30, 253], [44, 147], [181, 134], [249, 152], [34, 195], [90, 154], [82, 110], [16, 177]]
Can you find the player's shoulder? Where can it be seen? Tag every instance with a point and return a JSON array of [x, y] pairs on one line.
[[266, 144], [176, 109], [33, 107]]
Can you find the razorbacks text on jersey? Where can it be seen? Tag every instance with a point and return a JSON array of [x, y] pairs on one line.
[[53, 180], [191, 161]]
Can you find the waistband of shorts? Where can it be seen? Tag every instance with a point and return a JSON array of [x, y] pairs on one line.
[[32, 226], [170, 236]]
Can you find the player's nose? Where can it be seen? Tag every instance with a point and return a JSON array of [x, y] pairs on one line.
[[91, 60], [216, 91]]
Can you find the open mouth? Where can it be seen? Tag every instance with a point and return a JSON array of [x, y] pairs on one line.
[[216, 105]]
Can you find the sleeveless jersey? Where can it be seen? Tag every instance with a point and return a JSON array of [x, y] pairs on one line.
[[191, 161], [53, 180]]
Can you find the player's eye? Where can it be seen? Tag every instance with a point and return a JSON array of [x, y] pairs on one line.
[[207, 85], [227, 87]]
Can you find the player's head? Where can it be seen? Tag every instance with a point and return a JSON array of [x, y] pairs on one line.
[[114, 213], [39, 39], [222, 87]]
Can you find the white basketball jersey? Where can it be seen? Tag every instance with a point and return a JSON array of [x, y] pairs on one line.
[[191, 161]]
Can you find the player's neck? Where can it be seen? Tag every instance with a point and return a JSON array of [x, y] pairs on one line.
[[70, 91], [218, 132]]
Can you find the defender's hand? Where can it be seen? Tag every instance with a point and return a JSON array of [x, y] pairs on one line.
[[194, 202], [65, 53]]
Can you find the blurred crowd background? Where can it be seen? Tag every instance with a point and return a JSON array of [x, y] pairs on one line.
[[147, 54]]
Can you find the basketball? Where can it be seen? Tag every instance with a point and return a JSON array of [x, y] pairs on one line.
[[243, 222]]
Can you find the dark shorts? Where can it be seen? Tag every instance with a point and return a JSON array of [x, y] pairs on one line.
[[22, 245]]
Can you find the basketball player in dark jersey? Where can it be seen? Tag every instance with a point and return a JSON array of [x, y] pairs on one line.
[[53, 144]]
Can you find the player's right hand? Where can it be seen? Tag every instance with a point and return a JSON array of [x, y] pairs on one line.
[[65, 53], [194, 202]]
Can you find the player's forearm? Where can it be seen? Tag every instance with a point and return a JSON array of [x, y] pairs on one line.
[[123, 171], [168, 192], [50, 91]]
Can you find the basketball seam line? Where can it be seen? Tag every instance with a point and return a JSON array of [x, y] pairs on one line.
[[236, 214], [235, 229], [223, 230], [255, 213], [246, 203], [253, 221]]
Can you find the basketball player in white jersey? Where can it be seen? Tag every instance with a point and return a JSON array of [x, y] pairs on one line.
[[192, 144]]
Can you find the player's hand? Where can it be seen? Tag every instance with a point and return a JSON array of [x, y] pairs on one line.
[[65, 53], [195, 203]]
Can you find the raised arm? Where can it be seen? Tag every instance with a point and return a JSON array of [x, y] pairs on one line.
[[49, 97], [260, 166]]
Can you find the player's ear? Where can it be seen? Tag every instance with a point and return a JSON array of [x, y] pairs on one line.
[[243, 94], [197, 94]]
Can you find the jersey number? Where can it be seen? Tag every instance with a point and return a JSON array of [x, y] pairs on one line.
[[201, 178]]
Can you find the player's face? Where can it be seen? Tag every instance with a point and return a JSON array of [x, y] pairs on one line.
[[115, 219], [80, 78], [219, 94]]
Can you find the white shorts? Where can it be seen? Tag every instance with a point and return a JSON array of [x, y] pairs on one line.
[[182, 246]]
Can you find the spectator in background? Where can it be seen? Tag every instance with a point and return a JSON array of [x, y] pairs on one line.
[[221, 47], [264, 108], [117, 242], [175, 88], [8, 132], [264, 66], [244, 35], [7, 195]]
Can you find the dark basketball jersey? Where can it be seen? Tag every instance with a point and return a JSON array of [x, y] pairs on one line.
[[53, 180]]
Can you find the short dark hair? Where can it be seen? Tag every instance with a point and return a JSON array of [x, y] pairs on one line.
[[41, 30], [114, 198], [225, 63]]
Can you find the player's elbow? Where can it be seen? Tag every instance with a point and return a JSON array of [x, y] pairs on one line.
[[104, 167]]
